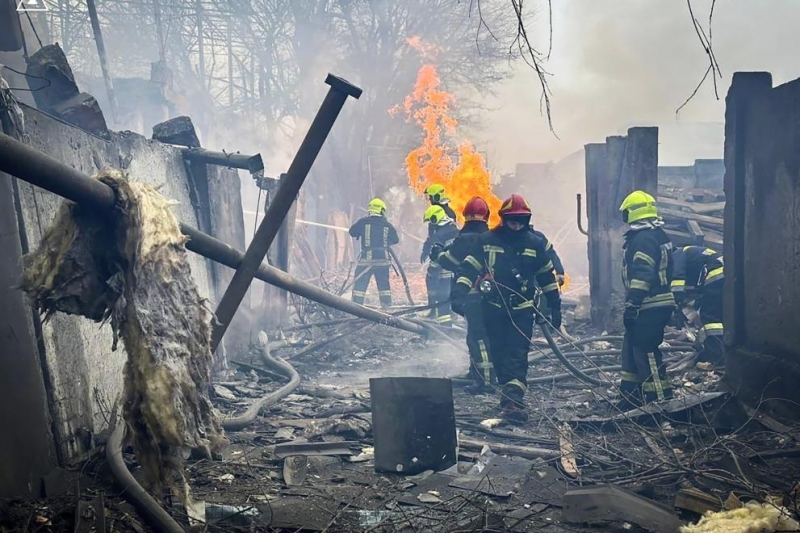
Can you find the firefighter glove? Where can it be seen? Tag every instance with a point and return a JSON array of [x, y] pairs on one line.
[[436, 250], [629, 316], [555, 317], [560, 278]]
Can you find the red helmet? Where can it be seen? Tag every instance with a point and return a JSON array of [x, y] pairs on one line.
[[515, 205], [476, 209]]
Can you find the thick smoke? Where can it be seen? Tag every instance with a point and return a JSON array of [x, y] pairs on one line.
[[622, 64]]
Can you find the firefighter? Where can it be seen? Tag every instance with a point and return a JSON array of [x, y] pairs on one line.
[[506, 265], [558, 266], [442, 230], [699, 275], [649, 303], [376, 234], [436, 196], [476, 217]]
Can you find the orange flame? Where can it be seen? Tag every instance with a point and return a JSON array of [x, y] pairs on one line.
[[429, 106]]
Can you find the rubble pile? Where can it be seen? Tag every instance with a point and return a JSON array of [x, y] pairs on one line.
[[133, 270], [693, 216]]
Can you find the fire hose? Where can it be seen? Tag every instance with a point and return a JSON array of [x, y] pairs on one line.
[[277, 364]]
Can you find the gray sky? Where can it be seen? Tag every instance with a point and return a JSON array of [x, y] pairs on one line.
[[619, 63]]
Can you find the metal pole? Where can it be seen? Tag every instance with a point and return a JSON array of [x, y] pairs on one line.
[[282, 203], [252, 163], [101, 52], [580, 225], [42, 170]]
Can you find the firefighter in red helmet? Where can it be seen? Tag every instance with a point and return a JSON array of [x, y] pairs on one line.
[[476, 218], [506, 265]]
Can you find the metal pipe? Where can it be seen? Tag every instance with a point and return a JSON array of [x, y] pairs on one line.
[[42, 170], [580, 226], [101, 52], [252, 163], [282, 203]]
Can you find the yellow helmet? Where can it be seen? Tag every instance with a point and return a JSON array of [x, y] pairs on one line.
[[376, 206], [638, 205], [435, 214], [435, 193]]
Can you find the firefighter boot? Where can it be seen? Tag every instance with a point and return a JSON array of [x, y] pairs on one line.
[[632, 397], [511, 406]]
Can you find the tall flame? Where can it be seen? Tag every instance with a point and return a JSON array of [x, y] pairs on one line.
[[429, 106]]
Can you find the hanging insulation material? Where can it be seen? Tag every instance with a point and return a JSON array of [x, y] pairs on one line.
[[131, 268]]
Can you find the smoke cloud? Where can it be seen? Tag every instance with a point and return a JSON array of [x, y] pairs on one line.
[[622, 64]]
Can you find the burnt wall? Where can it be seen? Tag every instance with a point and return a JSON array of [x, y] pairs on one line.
[[762, 186], [613, 170], [83, 375]]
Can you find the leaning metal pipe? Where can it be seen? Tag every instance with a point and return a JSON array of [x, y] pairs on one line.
[[280, 205], [247, 418], [42, 170]]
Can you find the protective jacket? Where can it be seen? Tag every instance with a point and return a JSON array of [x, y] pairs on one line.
[[647, 266], [695, 266], [551, 253], [451, 257], [516, 262], [376, 234], [443, 235]]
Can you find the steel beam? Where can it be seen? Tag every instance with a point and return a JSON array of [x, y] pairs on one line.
[[42, 170], [282, 203]]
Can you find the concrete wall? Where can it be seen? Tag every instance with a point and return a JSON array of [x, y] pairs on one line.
[[762, 187], [84, 375], [613, 170]]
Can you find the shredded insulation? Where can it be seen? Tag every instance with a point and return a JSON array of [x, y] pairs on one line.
[[131, 267], [753, 517]]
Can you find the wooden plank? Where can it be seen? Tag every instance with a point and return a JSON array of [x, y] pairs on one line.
[[679, 238], [695, 232], [696, 501], [704, 209], [568, 457], [703, 220]]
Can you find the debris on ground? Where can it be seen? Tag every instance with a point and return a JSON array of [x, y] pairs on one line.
[[133, 270]]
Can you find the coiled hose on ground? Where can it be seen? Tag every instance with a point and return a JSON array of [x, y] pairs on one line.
[[575, 371], [275, 363], [153, 513]]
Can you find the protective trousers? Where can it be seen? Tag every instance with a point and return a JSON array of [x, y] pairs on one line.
[[481, 368], [364, 273], [644, 374], [510, 333], [437, 282], [710, 309]]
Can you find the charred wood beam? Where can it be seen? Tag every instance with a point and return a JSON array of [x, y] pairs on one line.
[[42, 170], [695, 231]]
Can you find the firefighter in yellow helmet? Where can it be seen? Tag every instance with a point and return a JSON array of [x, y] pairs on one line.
[[442, 230], [376, 234], [699, 275], [649, 303], [436, 196]]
